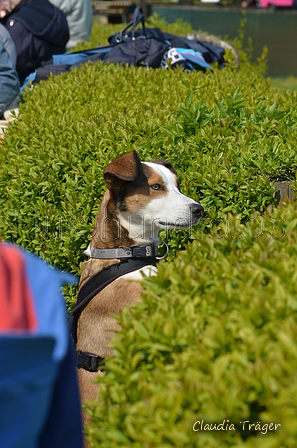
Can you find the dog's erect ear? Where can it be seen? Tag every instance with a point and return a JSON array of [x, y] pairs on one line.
[[126, 168]]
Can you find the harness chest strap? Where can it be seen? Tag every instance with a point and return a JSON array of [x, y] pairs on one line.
[[90, 289]]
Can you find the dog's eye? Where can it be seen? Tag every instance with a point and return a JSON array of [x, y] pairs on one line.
[[157, 187]]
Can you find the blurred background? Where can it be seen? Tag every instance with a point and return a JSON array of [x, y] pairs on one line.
[[270, 23]]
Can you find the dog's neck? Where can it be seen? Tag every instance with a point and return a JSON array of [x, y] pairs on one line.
[[116, 229]]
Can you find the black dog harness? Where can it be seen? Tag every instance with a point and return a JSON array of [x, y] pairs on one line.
[[133, 260]]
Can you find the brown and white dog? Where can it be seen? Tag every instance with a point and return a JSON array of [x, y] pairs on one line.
[[141, 199]]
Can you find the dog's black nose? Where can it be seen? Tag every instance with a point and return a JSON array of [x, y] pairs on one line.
[[196, 210]]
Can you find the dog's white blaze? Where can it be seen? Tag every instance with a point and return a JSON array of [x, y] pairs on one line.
[[147, 271], [171, 208]]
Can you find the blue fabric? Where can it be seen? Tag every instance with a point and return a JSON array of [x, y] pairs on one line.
[[39, 399], [8, 44], [73, 58], [27, 378], [45, 283], [210, 52], [29, 80], [63, 428], [9, 80], [194, 57]]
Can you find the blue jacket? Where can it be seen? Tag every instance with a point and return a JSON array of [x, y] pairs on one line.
[[39, 400], [38, 30], [9, 80]]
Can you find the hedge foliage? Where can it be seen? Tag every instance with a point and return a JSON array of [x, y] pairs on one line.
[[215, 337]]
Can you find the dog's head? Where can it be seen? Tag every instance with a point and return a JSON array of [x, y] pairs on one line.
[[147, 196]]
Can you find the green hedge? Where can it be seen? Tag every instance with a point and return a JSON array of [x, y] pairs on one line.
[[215, 339], [229, 135], [215, 336]]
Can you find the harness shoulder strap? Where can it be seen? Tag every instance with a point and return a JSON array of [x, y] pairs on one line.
[[99, 281]]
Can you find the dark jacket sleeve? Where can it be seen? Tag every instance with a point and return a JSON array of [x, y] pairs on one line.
[[39, 30]]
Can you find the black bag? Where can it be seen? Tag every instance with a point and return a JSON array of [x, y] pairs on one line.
[[128, 36], [210, 52], [140, 52], [142, 47]]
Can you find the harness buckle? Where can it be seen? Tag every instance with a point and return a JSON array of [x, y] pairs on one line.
[[88, 361]]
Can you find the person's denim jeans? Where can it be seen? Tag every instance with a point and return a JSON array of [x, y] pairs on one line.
[[9, 80]]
